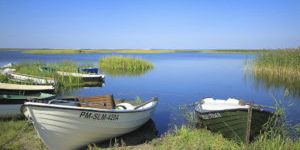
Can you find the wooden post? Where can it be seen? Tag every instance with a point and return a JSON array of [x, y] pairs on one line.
[[249, 125]]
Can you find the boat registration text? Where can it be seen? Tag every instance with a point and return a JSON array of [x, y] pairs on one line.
[[98, 116], [210, 116]]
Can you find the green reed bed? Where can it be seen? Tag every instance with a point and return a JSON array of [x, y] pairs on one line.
[[119, 65], [278, 68], [281, 62]]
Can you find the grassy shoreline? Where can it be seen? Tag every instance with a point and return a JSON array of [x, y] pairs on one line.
[[132, 51], [179, 138]]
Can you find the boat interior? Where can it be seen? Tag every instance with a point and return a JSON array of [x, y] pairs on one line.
[[101, 102]]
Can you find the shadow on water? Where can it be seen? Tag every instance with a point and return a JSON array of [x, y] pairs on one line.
[[145, 133], [268, 81]]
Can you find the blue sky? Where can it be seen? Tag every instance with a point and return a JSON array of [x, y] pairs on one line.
[[200, 24]]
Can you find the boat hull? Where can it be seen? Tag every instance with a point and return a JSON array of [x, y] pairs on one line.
[[20, 99], [35, 80], [10, 111], [18, 89], [233, 123], [10, 104], [69, 127], [85, 77]]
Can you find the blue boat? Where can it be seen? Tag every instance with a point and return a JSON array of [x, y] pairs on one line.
[[88, 70]]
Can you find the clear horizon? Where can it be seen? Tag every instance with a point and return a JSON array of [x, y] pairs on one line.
[[231, 24]]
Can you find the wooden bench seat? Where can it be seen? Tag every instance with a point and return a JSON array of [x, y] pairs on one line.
[[108, 100]]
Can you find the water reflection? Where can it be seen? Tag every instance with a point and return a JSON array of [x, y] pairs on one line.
[[274, 81], [69, 90]]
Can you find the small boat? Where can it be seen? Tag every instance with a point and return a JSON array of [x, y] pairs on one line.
[[230, 117], [89, 70], [33, 79], [6, 71], [10, 104], [64, 124], [7, 88], [86, 77], [47, 69], [8, 65]]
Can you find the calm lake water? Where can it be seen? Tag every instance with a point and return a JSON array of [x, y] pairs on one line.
[[177, 79]]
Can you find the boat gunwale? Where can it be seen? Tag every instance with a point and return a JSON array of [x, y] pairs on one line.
[[54, 106], [234, 109], [25, 87], [32, 76]]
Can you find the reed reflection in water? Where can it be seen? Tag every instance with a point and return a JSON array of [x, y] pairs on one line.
[[269, 80]]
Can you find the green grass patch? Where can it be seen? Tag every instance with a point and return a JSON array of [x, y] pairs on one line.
[[119, 65], [4, 78], [235, 51], [9, 130], [11, 136]]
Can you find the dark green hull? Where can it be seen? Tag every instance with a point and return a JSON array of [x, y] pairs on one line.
[[233, 123]]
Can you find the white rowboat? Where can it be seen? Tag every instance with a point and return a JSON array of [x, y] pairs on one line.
[[64, 126], [89, 77], [35, 80]]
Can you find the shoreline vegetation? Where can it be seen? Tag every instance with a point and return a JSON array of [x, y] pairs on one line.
[[184, 137], [277, 69], [120, 65], [146, 51], [62, 84]]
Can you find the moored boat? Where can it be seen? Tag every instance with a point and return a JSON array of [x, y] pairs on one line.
[[10, 104], [63, 124], [7, 88], [90, 74], [33, 79], [86, 77], [230, 117], [89, 70]]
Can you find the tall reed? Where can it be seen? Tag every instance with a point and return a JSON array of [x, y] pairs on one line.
[[119, 65], [278, 68], [285, 62], [62, 82]]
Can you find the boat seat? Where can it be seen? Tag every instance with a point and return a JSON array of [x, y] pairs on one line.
[[108, 100]]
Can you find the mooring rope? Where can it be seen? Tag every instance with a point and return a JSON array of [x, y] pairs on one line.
[[19, 133]]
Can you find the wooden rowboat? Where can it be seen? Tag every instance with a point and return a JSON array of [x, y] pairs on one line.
[[229, 117], [65, 124], [7, 88]]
